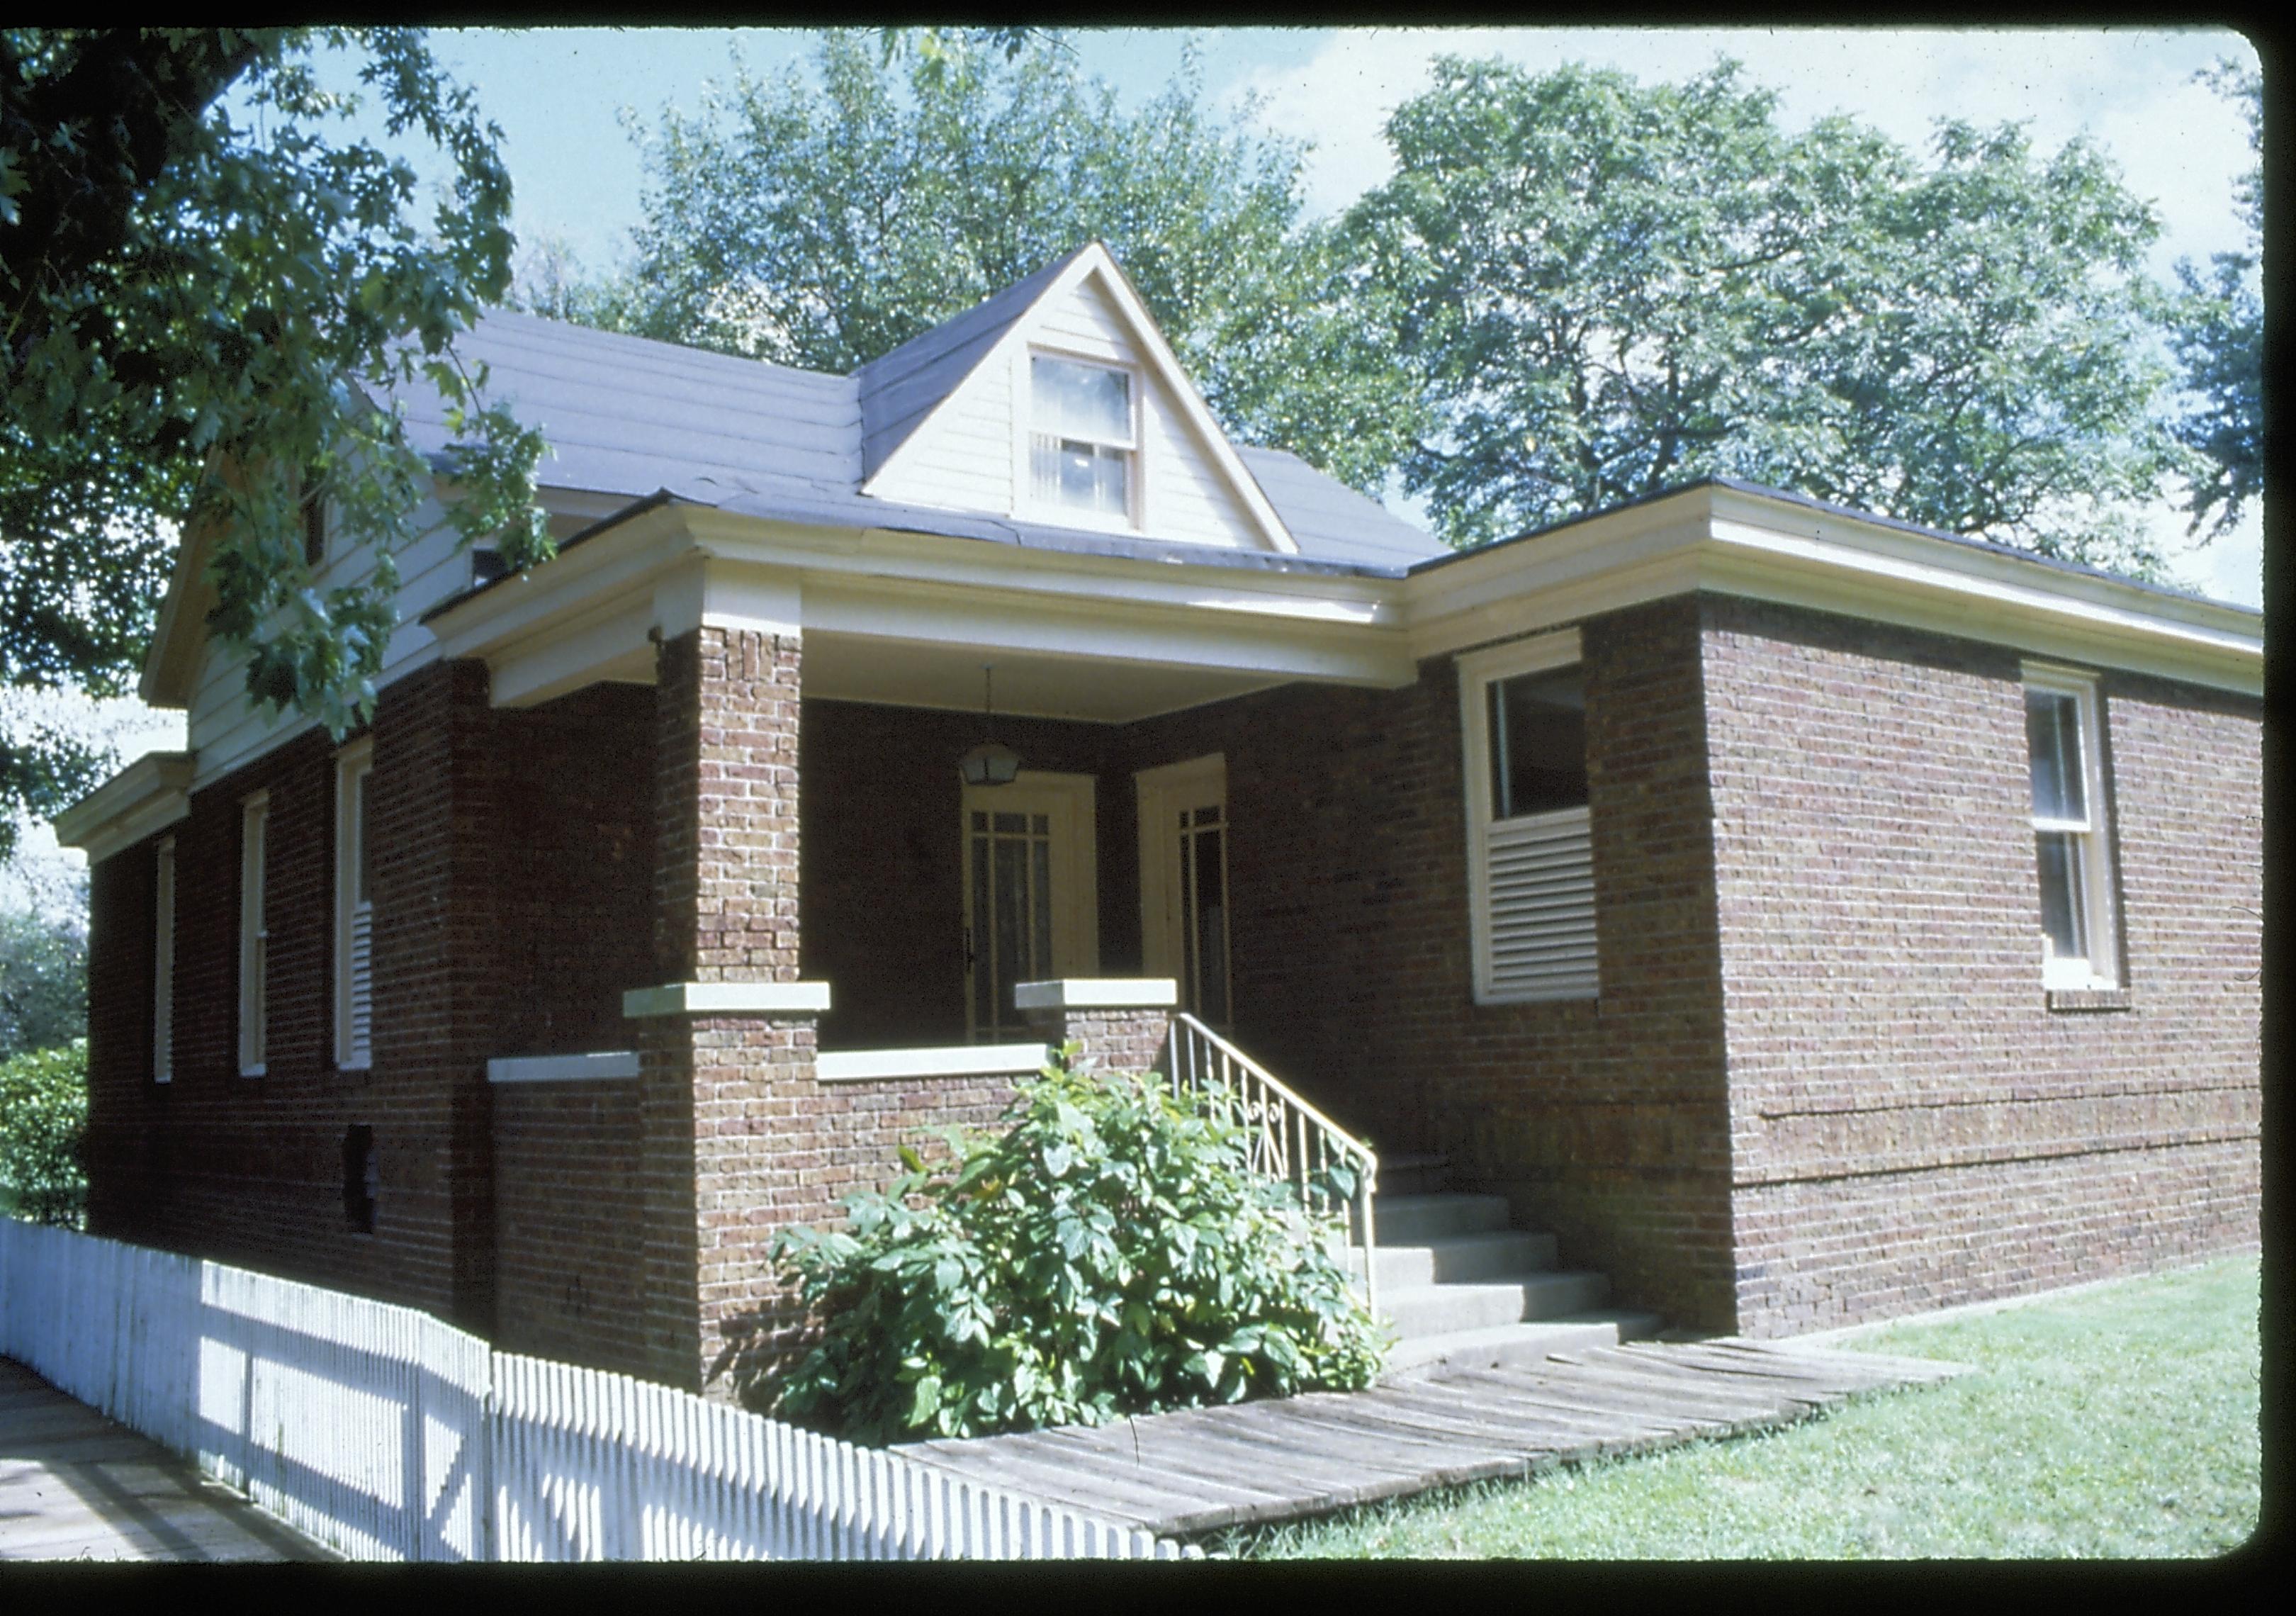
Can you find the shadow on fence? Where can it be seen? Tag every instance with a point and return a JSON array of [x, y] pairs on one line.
[[389, 1435]]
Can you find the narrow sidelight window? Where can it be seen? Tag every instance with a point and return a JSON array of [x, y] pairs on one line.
[[2079, 940], [163, 961], [254, 938], [353, 911]]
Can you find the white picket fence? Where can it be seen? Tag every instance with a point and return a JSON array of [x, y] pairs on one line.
[[388, 1435]]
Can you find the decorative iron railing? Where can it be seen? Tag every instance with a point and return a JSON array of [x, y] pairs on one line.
[[1285, 1137]]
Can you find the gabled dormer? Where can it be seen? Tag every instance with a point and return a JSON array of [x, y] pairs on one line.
[[1058, 402]]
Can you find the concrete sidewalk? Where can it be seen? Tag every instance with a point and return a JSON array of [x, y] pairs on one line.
[[75, 1486]]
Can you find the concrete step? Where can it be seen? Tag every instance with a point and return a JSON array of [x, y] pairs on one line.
[[1492, 1254], [1411, 1220], [1436, 1309], [1413, 1173], [1521, 1343]]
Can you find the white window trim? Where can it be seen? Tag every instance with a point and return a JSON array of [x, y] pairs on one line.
[[1025, 502], [254, 935], [2101, 916], [163, 961], [1478, 672], [352, 764]]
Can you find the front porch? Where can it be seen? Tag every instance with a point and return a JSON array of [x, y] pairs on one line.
[[757, 920]]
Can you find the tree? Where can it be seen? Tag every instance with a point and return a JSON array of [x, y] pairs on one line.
[[43, 981], [820, 228], [2215, 326], [1610, 289], [204, 303]]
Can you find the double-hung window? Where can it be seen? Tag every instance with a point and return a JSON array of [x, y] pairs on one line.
[[254, 937], [2079, 947], [1083, 442], [353, 911], [1530, 845]]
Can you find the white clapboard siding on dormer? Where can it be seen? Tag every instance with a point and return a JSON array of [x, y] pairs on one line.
[[225, 728], [963, 458], [1188, 497]]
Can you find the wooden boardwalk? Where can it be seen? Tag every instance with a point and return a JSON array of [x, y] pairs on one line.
[[1201, 1469], [74, 1486]]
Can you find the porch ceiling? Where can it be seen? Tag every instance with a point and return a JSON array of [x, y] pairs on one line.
[[910, 673]]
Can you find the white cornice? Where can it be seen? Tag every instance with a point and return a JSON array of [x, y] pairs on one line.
[[148, 795], [1733, 542]]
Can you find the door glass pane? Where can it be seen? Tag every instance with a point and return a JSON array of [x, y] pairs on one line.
[[1210, 928], [984, 914], [1011, 898], [1012, 824], [1189, 941], [1039, 964], [2060, 894]]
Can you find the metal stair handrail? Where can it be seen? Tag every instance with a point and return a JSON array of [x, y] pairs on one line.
[[1285, 1137]]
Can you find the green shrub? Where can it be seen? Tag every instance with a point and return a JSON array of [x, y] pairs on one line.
[[1108, 1254], [43, 1120]]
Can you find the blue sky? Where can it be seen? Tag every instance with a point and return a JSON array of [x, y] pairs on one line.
[[563, 97]]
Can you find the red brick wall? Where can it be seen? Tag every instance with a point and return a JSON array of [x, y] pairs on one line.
[[250, 1169], [1605, 1122], [572, 868], [1911, 1124], [569, 1249]]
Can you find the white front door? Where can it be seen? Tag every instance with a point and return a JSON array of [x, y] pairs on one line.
[[1031, 902], [1184, 828]]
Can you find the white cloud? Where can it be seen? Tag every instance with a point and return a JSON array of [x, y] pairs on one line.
[[2177, 143]]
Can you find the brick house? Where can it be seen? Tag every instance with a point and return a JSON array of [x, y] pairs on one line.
[[1804, 916]]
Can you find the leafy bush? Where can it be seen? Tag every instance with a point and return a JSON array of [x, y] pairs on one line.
[[1109, 1253], [43, 1118]]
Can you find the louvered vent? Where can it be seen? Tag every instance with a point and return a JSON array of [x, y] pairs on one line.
[[1542, 907], [362, 983]]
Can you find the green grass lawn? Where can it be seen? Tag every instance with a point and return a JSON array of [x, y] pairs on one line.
[[2120, 1422]]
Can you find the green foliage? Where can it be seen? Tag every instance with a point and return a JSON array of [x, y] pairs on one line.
[[43, 1120], [43, 983], [2216, 326], [820, 227], [201, 304], [1109, 1254], [1610, 289]]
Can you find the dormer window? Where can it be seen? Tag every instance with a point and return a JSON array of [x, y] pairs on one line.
[[1084, 440]]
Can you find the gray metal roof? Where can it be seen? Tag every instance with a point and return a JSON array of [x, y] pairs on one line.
[[630, 417], [898, 390]]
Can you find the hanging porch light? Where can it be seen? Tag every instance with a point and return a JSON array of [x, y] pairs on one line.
[[992, 762]]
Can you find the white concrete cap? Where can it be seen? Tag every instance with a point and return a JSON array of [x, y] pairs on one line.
[[953, 1061], [727, 998], [1098, 993]]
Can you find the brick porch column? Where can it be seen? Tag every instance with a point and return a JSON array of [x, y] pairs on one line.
[[727, 1044], [1122, 1022]]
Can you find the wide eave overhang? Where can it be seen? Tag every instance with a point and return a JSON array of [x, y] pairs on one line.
[[1091, 627]]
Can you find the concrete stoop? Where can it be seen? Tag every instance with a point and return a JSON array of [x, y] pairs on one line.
[[1464, 1290]]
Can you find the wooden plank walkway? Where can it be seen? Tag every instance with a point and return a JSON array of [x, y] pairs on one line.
[[75, 1486], [1196, 1471]]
